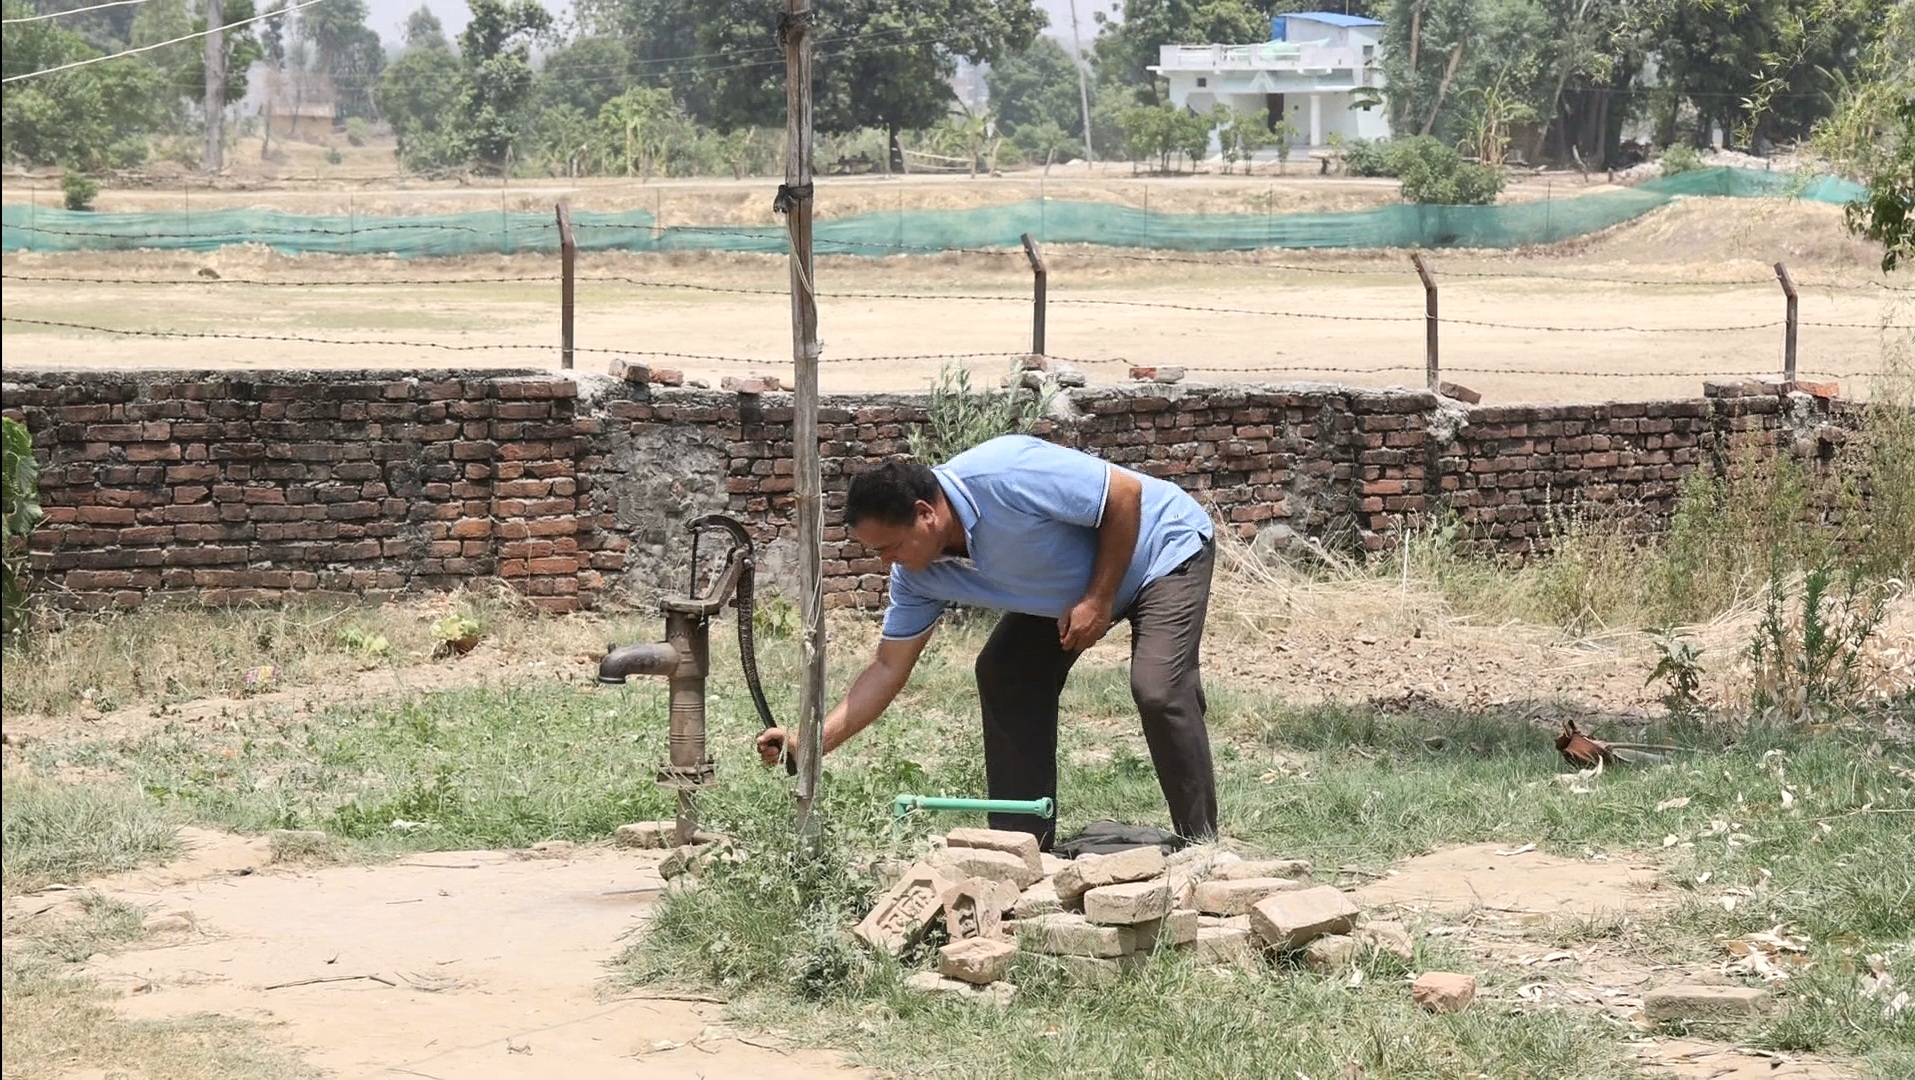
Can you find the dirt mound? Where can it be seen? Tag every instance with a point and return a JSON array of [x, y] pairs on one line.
[[1732, 238]]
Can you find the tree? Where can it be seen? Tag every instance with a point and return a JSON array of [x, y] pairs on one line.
[[1871, 136], [637, 129], [1045, 142], [1036, 86], [80, 119], [347, 51], [495, 48], [1162, 130], [1241, 133], [419, 95], [878, 63], [240, 46], [584, 74], [1284, 136], [1125, 50], [1761, 69], [425, 31], [165, 20]]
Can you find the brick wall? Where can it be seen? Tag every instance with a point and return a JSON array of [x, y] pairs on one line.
[[249, 486], [245, 487]]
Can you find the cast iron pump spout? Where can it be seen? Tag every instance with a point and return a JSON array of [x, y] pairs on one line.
[[683, 658], [622, 661]]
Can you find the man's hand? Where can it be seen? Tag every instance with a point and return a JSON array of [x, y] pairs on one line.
[[1084, 625], [773, 743]]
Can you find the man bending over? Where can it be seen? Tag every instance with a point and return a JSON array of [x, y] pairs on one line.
[[1063, 544]]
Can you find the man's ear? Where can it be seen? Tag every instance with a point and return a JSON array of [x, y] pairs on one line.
[[926, 512]]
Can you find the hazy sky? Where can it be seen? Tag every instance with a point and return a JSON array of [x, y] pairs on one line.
[[388, 17]]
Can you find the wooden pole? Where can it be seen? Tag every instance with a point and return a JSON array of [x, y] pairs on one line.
[[568, 255], [1788, 334], [1429, 321], [1038, 275], [794, 201]]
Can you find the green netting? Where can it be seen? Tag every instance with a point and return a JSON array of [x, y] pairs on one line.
[[26, 228]]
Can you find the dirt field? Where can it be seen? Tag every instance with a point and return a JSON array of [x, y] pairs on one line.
[[1639, 311]]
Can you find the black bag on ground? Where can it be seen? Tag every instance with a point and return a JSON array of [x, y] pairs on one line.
[[1106, 837]]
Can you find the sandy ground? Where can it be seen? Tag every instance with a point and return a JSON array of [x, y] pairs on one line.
[[1568, 330], [479, 965], [1505, 905]]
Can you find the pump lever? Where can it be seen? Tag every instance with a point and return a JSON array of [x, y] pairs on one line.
[[740, 561]]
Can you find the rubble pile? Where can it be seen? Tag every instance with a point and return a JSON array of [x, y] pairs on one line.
[[1100, 916]]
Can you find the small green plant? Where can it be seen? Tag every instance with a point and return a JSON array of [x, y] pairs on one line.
[[333, 156], [1284, 137], [80, 191], [774, 617], [353, 639], [962, 415], [1679, 663], [355, 132], [458, 635], [1679, 159], [20, 481], [1363, 157], [1806, 665]]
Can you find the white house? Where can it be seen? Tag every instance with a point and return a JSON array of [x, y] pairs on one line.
[[1319, 70]]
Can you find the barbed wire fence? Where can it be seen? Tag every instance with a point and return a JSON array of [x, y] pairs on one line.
[[1417, 270]]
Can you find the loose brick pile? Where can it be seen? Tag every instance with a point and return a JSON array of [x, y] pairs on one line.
[[1100, 916], [239, 487]]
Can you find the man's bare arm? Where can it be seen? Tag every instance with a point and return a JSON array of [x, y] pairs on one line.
[[870, 694]]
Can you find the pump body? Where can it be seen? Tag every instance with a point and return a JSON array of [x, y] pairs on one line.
[[684, 660]]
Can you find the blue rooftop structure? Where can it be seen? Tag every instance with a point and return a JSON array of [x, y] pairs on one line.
[[1334, 18], [1280, 32]]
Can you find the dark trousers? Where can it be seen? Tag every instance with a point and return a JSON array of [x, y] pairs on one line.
[[1021, 673]]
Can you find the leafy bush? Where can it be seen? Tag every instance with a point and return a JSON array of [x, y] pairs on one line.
[[1361, 157], [1433, 172], [1806, 665], [20, 487], [1043, 142], [80, 191], [333, 156], [1162, 130], [963, 416], [127, 153], [356, 131], [1679, 159]]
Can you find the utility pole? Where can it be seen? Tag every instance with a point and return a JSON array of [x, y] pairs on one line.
[[214, 157], [1083, 85], [794, 201]]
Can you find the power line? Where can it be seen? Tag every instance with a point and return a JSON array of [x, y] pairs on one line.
[[69, 11], [158, 44]]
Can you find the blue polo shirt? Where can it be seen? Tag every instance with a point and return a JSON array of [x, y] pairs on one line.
[[1030, 511]]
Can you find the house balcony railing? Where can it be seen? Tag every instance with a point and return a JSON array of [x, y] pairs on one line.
[[1268, 56]]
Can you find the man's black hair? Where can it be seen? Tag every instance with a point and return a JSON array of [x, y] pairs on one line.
[[890, 493]]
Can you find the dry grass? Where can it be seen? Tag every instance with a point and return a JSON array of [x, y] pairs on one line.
[[167, 654]]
